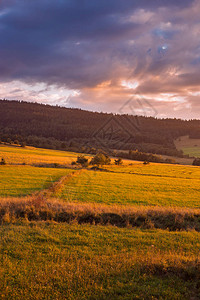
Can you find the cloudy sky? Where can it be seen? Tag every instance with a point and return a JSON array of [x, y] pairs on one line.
[[133, 56]]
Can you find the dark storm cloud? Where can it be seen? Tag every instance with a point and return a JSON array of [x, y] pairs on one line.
[[81, 44], [67, 42]]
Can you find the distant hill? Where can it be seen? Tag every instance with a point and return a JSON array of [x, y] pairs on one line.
[[75, 129]]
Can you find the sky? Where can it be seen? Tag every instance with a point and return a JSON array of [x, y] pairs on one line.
[[120, 56]]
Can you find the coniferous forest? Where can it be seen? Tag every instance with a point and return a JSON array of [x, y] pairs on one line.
[[73, 129]]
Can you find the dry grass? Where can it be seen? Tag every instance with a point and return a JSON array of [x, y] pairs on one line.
[[39, 208]]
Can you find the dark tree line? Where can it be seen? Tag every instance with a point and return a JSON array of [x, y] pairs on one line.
[[56, 127]]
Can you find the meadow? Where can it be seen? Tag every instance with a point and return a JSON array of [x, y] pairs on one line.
[[62, 261], [189, 146], [155, 185], [17, 181], [31, 155], [126, 232]]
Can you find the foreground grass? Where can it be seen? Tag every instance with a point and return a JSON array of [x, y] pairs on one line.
[[23, 180], [60, 261]]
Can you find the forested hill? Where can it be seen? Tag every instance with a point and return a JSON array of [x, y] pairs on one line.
[[57, 127]]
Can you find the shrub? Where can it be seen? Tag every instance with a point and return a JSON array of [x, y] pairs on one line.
[[170, 161], [196, 162], [23, 144], [118, 161], [100, 159], [3, 162], [9, 141], [82, 160]]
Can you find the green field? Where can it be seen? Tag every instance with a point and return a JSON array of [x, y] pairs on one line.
[[17, 181], [189, 146], [30, 155], [51, 259], [129, 184], [162, 185], [191, 151]]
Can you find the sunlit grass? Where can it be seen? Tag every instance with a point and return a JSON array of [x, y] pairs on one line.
[[144, 186], [156, 169], [86, 262], [49, 260], [133, 183], [29, 155], [23, 180]]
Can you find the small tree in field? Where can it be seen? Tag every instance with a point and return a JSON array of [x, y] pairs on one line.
[[100, 159], [82, 160], [23, 144], [9, 141], [118, 161], [196, 162], [16, 142], [2, 162]]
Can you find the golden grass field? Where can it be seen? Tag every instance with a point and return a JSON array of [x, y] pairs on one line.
[[31, 155], [128, 232], [154, 184]]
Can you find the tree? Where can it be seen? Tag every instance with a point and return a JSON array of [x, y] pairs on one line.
[[2, 162], [63, 146], [118, 161], [196, 162], [82, 160], [100, 159], [9, 141], [93, 151], [23, 144]]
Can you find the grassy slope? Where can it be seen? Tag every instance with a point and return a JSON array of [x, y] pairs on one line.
[[29, 155], [17, 180], [83, 262], [23, 180], [189, 146], [156, 184], [44, 260], [135, 183], [192, 151]]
